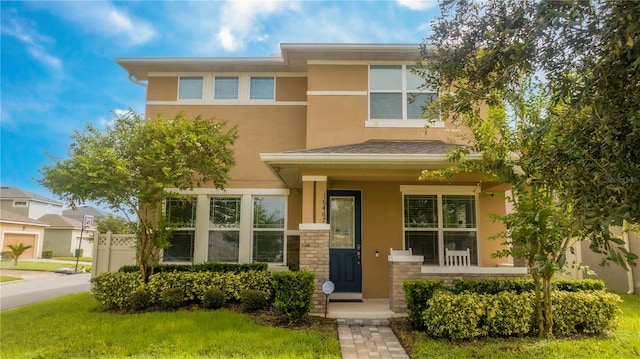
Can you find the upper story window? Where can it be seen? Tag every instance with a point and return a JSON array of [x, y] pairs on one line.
[[19, 203], [262, 88], [190, 87], [226, 88], [396, 93]]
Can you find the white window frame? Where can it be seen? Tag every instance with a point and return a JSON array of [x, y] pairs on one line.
[[215, 77], [273, 89], [439, 192], [405, 95], [194, 76], [191, 229], [283, 229], [238, 229]]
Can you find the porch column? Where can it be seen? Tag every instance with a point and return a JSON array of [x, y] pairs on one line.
[[314, 235], [402, 267]]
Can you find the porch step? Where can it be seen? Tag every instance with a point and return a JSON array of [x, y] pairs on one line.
[[363, 322]]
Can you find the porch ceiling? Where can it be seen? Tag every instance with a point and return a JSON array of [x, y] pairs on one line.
[[370, 160]]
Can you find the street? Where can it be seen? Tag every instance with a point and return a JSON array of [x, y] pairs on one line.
[[39, 286]]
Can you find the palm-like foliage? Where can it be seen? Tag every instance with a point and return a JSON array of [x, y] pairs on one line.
[[17, 249]]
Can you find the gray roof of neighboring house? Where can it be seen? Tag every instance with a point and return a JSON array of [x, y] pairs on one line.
[[385, 147], [80, 212], [17, 193], [8, 216], [57, 221]]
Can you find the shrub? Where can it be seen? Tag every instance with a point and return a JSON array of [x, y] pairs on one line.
[[114, 289], [592, 312], [213, 298], [200, 267], [140, 299], [252, 300], [491, 286], [293, 293], [172, 298], [574, 285], [509, 314], [456, 316], [417, 293], [47, 254]]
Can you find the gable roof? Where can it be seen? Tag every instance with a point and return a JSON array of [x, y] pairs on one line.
[[372, 154], [10, 217], [80, 212], [16, 193], [56, 221]]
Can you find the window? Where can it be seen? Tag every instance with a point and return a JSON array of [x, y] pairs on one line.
[[190, 88], [224, 229], [226, 88], [262, 88], [19, 203], [181, 213], [435, 222], [396, 93], [268, 229]]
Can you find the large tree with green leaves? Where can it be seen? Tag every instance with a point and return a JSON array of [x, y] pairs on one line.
[[130, 164], [577, 144], [586, 58]]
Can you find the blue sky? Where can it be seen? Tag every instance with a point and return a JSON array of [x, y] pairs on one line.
[[58, 71]]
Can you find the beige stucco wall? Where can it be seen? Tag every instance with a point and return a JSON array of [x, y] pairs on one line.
[[162, 88], [261, 129]]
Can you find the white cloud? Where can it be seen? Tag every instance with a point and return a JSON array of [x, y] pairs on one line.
[[418, 5], [25, 32], [105, 19]]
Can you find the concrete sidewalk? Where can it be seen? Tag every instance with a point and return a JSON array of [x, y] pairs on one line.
[[39, 286]]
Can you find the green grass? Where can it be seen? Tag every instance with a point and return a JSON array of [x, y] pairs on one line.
[[74, 327], [69, 258], [623, 343], [40, 266], [6, 278]]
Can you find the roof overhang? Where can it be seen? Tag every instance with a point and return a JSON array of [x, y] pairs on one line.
[[288, 166], [292, 58]]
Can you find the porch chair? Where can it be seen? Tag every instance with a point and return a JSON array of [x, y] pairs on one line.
[[456, 258]]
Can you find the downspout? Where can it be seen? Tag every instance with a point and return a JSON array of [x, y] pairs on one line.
[[135, 80], [625, 238]]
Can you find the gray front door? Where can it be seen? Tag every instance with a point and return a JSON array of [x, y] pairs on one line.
[[345, 242]]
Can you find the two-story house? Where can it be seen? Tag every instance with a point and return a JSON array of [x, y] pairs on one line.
[[331, 145]]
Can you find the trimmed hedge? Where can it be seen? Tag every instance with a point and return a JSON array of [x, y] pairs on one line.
[[252, 300], [114, 289], [469, 316], [495, 286], [200, 267], [293, 293], [417, 293]]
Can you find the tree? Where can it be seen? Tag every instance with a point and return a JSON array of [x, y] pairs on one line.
[[560, 80], [17, 249], [115, 225], [130, 164]]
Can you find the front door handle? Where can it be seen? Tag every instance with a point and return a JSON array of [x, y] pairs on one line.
[[358, 254]]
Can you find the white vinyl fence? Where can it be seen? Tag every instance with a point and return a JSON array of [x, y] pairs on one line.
[[112, 251]]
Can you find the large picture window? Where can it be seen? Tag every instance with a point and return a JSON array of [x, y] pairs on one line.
[[224, 229], [435, 222], [396, 93], [269, 226], [181, 214]]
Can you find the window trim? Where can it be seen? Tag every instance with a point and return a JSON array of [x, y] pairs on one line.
[[403, 122], [273, 88], [439, 192], [283, 230], [201, 77], [192, 228], [212, 228]]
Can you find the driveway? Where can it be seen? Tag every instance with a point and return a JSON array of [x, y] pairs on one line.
[[39, 286]]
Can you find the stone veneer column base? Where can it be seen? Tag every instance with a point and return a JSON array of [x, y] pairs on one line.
[[314, 256], [402, 268]]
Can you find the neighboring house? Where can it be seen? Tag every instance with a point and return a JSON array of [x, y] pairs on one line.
[[331, 144], [16, 228], [28, 204], [63, 236], [79, 213]]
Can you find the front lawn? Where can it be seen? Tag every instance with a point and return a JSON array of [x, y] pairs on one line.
[[74, 327], [41, 266], [623, 343]]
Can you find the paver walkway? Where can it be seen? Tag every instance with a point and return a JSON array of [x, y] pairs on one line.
[[368, 338]]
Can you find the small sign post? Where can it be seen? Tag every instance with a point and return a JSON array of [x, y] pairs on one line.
[[327, 288], [87, 221]]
